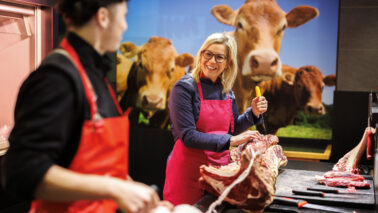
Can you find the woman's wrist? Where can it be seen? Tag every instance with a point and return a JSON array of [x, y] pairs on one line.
[[233, 141]]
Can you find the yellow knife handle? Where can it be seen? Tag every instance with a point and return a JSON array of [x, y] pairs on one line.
[[258, 92]]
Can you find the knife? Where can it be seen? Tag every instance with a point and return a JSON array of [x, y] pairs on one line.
[[337, 191], [258, 94], [304, 204], [320, 194], [309, 193]]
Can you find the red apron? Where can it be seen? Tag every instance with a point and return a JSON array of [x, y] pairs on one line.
[[182, 174], [103, 149]]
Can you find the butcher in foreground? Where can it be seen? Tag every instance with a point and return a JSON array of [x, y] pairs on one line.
[[69, 146], [205, 120]]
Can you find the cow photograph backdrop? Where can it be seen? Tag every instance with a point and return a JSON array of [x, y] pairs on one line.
[[164, 36]]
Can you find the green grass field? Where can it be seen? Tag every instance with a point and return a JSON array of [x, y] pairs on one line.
[[295, 131]]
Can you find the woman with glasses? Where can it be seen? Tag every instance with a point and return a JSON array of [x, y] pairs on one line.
[[205, 120]]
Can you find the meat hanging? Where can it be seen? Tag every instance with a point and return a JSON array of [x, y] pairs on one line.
[[345, 172], [248, 181]]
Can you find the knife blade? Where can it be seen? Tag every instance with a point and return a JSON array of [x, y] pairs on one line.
[[337, 191], [304, 204], [258, 94], [321, 194]]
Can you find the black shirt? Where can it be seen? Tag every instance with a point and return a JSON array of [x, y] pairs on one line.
[[49, 113]]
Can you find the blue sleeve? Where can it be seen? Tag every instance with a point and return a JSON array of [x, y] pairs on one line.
[[181, 105], [245, 120]]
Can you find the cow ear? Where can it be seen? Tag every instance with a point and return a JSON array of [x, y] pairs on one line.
[[330, 80], [288, 77], [300, 15], [184, 60], [122, 72], [224, 14], [128, 49]]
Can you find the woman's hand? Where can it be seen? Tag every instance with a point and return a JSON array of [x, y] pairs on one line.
[[134, 197], [259, 105], [243, 137], [370, 129]]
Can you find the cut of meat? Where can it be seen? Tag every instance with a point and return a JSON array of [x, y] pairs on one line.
[[342, 179], [343, 182], [338, 174], [345, 171], [349, 162], [251, 176], [259, 144]]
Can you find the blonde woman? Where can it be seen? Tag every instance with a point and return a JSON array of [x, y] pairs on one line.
[[205, 120]]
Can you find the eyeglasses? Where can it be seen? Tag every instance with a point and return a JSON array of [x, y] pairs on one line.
[[219, 58]]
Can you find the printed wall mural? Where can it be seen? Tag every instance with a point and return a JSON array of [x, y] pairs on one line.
[[164, 36]]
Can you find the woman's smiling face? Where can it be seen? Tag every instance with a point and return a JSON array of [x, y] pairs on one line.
[[210, 57]]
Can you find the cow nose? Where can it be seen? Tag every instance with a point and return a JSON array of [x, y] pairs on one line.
[[274, 64], [254, 62], [152, 100], [319, 110], [264, 62]]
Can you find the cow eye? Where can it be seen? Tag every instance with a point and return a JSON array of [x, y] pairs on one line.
[[169, 73], [240, 25], [281, 30]]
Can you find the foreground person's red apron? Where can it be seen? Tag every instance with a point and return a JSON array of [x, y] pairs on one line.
[[181, 183], [103, 150]]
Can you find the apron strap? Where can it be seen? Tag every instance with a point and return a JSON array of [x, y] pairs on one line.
[[232, 114], [200, 89], [232, 117], [88, 89], [111, 91]]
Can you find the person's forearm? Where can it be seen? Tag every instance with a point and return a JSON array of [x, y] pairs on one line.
[[60, 184]]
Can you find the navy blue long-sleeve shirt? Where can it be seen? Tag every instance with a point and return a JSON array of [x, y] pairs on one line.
[[184, 107]]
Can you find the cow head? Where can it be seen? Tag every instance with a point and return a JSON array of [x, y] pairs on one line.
[[308, 83], [260, 25], [158, 68]]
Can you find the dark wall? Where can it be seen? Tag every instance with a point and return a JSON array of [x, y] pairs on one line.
[[358, 46], [356, 73], [350, 118], [148, 153]]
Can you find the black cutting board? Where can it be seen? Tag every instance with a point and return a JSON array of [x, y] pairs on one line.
[[289, 179]]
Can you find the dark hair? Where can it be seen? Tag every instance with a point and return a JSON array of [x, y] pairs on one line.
[[80, 12]]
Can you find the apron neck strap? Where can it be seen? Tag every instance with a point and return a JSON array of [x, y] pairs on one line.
[[200, 89], [111, 91], [88, 89]]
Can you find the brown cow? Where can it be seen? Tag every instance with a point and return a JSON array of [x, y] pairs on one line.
[[259, 30], [152, 75], [297, 89]]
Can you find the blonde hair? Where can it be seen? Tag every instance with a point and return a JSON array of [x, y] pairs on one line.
[[228, 75]]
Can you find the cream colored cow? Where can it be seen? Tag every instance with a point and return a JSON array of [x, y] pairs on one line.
[[259, 28]]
